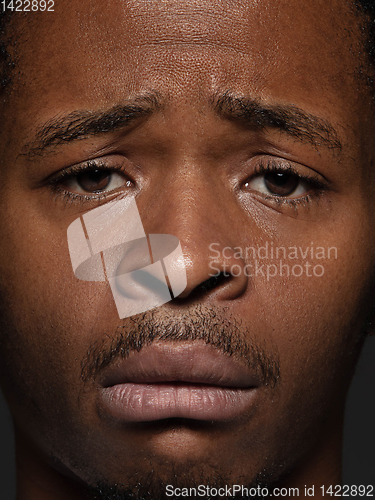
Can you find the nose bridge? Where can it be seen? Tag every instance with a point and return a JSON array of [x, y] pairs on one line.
[[191, 209], [202, 216]]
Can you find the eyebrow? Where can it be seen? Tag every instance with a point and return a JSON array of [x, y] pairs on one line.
[[288, 119], [77, 125], [251, 113]]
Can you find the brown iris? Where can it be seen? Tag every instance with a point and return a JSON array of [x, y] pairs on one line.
[[281, 184], [94, 180]]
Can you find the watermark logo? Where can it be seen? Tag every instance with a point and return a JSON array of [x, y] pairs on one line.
[[109, 243], [270, 261]]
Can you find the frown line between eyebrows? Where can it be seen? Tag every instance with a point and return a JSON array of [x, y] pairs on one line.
[[288, 119]]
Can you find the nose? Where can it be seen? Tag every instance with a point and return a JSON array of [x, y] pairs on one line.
[[206, 227], [213, 270]]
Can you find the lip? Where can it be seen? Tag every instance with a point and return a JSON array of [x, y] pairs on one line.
[[184, 380]]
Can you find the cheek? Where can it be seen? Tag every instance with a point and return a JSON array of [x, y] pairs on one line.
[[315, 322], [318, 317], [47, 317], [314, 326], [312, 306]]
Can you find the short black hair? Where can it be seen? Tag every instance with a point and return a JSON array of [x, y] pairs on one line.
[[6, 62], [367, 10], [367, 7]]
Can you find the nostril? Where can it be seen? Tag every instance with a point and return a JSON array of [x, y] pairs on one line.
[[212, 282], [226, 280]]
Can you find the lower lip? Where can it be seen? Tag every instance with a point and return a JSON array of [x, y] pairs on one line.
[[149, 402]]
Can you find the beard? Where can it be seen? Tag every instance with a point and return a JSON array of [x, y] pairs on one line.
[[184, 484]]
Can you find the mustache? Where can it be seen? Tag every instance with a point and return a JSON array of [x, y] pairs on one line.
[[212, 326]]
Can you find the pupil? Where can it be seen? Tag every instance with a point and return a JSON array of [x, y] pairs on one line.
[[279, 179], [281, 184], [95, 180]]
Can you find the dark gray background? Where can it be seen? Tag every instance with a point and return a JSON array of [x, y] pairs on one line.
[[359, 443]]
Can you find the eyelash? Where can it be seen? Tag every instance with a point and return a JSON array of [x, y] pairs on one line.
[[273, 166], [69, 196]]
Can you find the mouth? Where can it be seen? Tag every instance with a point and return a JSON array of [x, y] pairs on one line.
[[190, 381]]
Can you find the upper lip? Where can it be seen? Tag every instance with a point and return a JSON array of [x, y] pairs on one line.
[[192, 363]]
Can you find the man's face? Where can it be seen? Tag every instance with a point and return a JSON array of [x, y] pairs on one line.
[[251, 131]]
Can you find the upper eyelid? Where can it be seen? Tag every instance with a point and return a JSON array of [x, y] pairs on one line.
[[275, 165], [89, 165], [282, 165], [75, 170]]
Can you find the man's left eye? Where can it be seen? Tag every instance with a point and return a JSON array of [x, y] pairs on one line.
[[283, 184], [94, 181]]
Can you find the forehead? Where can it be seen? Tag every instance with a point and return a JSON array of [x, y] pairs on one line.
[[92, 53]]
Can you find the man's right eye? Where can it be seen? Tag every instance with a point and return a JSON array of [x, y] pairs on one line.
[[90, 180], [95, 181]]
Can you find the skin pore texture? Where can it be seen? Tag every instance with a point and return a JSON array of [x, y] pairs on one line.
[[196, 104]]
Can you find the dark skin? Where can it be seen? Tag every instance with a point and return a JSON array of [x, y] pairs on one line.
[[193, 166]]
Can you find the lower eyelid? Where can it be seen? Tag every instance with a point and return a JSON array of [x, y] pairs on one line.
[[70, 197]]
